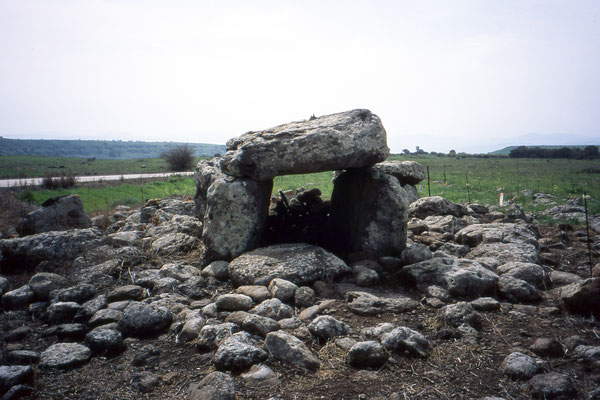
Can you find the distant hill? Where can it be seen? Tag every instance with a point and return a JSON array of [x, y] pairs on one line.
[[506, 150], [101, 149]]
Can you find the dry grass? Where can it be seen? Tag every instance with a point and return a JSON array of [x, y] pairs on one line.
[[12, 212]]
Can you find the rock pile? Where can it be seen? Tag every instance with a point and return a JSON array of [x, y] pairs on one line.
[[405, 292]]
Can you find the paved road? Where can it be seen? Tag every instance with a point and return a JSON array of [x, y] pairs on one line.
[[5, 183]]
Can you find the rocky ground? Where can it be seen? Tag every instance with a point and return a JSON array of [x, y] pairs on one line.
[[480, 304]]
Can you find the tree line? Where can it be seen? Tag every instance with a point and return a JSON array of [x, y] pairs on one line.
[[579, 153]]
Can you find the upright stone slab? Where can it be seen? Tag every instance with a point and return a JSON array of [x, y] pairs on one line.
[[351, 139], [235, 217], [206, 173], [368, 213]]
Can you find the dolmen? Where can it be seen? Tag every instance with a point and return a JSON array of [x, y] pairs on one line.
[[369, 203]]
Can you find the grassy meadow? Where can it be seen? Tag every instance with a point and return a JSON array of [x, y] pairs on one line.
[[105, 197], [36, 166], [474, 179], [487, 178]]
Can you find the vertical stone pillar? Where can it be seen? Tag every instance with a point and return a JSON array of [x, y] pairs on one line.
[[235, 217], [369, 213]]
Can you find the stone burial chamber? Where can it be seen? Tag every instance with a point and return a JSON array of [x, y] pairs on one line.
[[368, 210]]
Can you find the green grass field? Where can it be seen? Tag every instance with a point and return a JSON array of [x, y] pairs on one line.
[[487, 178], [35, 166], [109, 196]]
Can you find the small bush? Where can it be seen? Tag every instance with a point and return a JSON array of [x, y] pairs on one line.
[[179, 158], [64, 181]]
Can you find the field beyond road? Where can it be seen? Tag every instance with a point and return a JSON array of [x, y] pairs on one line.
[[461, 180]]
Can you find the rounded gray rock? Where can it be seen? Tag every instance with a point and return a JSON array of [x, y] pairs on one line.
[[140, 319], [282, 289], [233, 302], [65, 355], [327, 327], [290, 349], [14, 375], [552, 385], [408, 340], [273, 308], [44, 283], [105, 341], [368, 354], [519, 366], [239, 352], [214, 386], [304, 297]]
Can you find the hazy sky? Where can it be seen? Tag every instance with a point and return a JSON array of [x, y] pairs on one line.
[[463, 75]]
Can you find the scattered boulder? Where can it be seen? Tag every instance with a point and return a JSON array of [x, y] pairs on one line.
[[57, 214], [260, 375], [105, 316], [64, 355], [58, 246], [552, 385], [62, 311], [495, 254], [78, 293], [191, 328], [217, 269], [214, 386], [233, 302], [474, 235], [407, 340], [304, 297], [181, 272], [299, 263], [274, 309], [415, 253], [258, 293], [485, 304], [369, 354], [363, 303], [289, 349], [517, 290], [519, 366], [146, 381], [141, 319], [127, 292], [529, 272], [173, 243], [365, 276], [547, 347], [44, 283], [282, 289], [105, 341], [14, 375], [461, 277], [460, 313], [239, 352], [19, 297], [327, 327], [444, 223], [357, 136], [435, 205], [588, 353], [582, 297]]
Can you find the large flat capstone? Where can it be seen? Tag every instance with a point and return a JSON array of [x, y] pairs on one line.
[[351, 139]]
